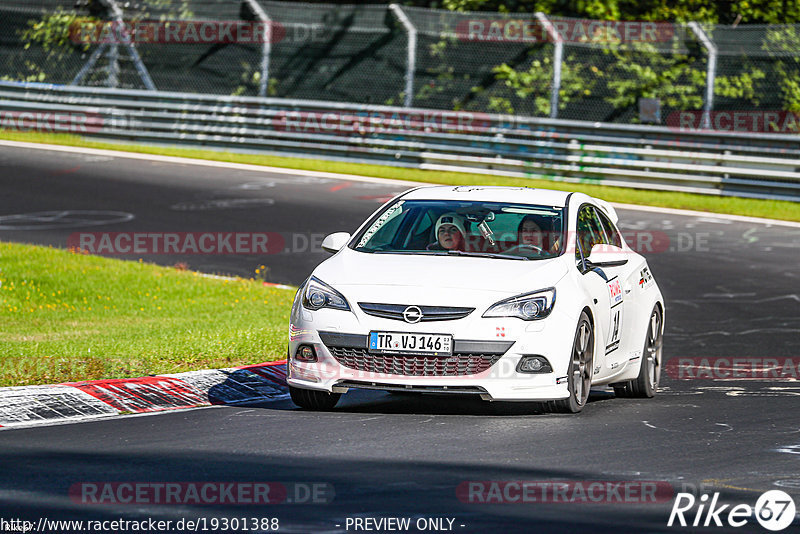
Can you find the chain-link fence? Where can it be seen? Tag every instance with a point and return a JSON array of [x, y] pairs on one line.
[[521, 64], [347, 53], [31, 51], [758, 67]]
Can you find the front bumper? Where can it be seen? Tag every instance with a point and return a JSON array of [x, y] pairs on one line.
[[486, 353]]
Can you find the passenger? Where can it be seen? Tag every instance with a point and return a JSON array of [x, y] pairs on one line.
[[450, 233]]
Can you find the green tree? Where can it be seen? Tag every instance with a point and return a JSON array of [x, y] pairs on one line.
[[535, 82], [52, 38]]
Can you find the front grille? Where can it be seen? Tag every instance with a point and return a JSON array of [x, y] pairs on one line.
[[429, 313], [413, 365]]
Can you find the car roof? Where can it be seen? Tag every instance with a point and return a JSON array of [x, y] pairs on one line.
[[486, 193]]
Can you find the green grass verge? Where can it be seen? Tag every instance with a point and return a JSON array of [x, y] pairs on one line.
[[774, 209], [71, 317]]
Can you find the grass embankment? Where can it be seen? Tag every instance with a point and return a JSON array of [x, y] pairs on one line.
[[70, 317], [773, 209]]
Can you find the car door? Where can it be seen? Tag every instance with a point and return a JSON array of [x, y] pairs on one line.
[[629, 275], [606, 285]]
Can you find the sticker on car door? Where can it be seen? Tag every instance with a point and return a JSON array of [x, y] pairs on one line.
[[615, 324]]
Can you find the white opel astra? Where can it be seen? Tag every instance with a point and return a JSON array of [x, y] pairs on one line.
[[511, 294]]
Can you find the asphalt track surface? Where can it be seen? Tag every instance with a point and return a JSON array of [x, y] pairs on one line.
[[731, 289]]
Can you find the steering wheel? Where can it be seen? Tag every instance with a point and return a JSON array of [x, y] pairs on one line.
[[523, 246]]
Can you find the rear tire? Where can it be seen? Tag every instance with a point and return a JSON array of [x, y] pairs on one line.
[[312, 399], [646, 384], [579, 380]]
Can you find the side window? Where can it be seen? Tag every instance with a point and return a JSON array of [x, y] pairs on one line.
[[604, 239], [589, 231], [611, 231]]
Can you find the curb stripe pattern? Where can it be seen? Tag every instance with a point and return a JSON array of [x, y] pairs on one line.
[[80, 401]]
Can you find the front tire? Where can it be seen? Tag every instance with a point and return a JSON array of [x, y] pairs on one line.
[[312, 399], [579, 380], [646, 384]]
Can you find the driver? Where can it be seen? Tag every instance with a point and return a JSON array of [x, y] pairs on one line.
[[530, 233], [450, 232]]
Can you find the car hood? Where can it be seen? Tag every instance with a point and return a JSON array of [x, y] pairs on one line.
[[416, 274]]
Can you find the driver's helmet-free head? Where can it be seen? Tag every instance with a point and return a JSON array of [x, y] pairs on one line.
[[543, 229], [538, 221], [451, 218]]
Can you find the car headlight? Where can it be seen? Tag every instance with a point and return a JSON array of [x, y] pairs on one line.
[[317, 295], [528, 307]]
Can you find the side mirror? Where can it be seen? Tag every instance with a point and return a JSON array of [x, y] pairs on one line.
[[603, 255], [334, 242]]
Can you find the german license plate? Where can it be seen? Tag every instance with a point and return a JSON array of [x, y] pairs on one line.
[[406, 343]]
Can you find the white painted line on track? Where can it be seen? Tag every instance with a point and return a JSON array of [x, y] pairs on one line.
[[205, 163], [353, 177], [707, 215]]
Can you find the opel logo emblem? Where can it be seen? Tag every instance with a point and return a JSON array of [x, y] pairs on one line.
[[412, 314]]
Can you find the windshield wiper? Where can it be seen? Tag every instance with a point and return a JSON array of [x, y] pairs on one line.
[[451, 253], [413, 252], [486, 255]]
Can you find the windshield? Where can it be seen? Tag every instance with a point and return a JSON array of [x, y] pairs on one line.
[[492, 229]]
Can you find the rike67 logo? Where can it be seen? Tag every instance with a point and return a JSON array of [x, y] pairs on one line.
[[774, 510]]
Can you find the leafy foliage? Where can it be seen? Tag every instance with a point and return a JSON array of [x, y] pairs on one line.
[[52, 34], [711, 11]]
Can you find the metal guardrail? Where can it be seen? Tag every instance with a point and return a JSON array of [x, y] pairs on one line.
[[645, 157]]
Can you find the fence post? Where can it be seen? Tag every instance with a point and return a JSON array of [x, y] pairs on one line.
[[411, 60], [558, 54], [112, 80], [266, 46], [711, 72], [78, 79], [113, 53]]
